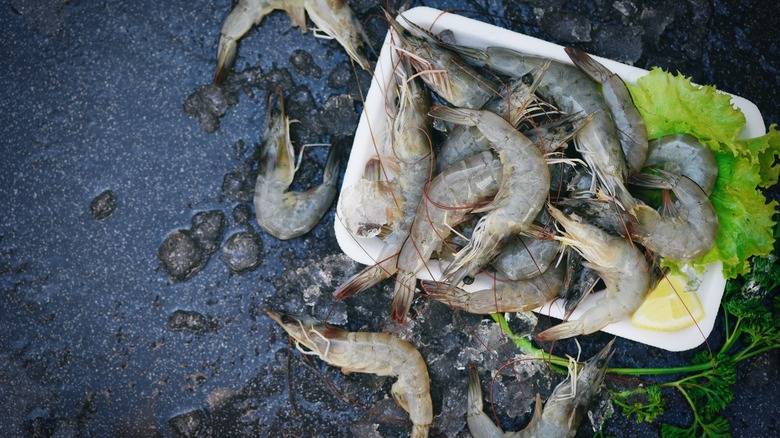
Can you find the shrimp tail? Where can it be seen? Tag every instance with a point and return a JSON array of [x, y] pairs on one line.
[[480, 424], [459, 116], [595, 71], [646, 180], [368, 277], [330, 174], [475, 392], [404, 295], [563, 330]]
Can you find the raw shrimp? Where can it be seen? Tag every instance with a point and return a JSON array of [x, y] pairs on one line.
[[684, 154], [565, 409], [512, 104], [681, 232], [411, 162], [449, 198], [630, 127], [525, 183], [375, 353], [288, 214], [572, 92], [333, 18], [505, 296], [625, 272], [453, 79]]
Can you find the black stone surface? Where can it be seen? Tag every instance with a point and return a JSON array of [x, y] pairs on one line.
[[97, 340]]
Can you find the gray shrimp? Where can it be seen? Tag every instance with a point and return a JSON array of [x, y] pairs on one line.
[[624, 269], [450, 77], [283, 213], [682, 232], [374, 353], [334, 18], [411, 159], [505, 296], [562, 414], [572, 92], [450, 196], [631, 129], [684, 154], [525, 184]]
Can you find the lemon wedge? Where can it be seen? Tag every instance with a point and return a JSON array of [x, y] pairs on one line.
[[667, 307]]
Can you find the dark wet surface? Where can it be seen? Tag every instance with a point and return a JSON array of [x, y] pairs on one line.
[[134, 279]]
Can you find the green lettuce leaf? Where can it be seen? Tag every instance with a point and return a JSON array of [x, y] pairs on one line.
[[671, 104]]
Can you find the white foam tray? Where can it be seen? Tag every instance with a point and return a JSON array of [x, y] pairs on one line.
[[477, 34]]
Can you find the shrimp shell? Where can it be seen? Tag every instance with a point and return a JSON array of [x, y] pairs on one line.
[[374, 353]]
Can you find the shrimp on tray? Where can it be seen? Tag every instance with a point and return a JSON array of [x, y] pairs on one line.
[[363, 352], [625, 271], [525, 184]]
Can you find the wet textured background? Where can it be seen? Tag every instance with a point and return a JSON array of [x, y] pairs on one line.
[[102, 169]]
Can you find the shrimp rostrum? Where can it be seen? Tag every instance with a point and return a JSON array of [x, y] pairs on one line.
[[282, 213], [374, 353]]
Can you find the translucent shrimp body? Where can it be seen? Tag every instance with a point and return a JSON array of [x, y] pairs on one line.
[[630, 127], [281, 213], [449, 198], [411, 160], [506, 296], [625, 272], [332, 17], [685, 232], [525, 184], [563, 413], [374, 353], [684, 154]]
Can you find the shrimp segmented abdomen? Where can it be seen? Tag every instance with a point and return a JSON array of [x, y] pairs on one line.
[[684, 154], [375, 353], [450, 196], [525, 184], [625, 271], [689, 230], [283, 213]]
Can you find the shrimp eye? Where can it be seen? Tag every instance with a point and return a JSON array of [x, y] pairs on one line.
[[527, 79], [468, 280], [361, 50], [601, 363]]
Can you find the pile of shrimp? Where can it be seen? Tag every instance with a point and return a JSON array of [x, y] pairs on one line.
[[537, 172]]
